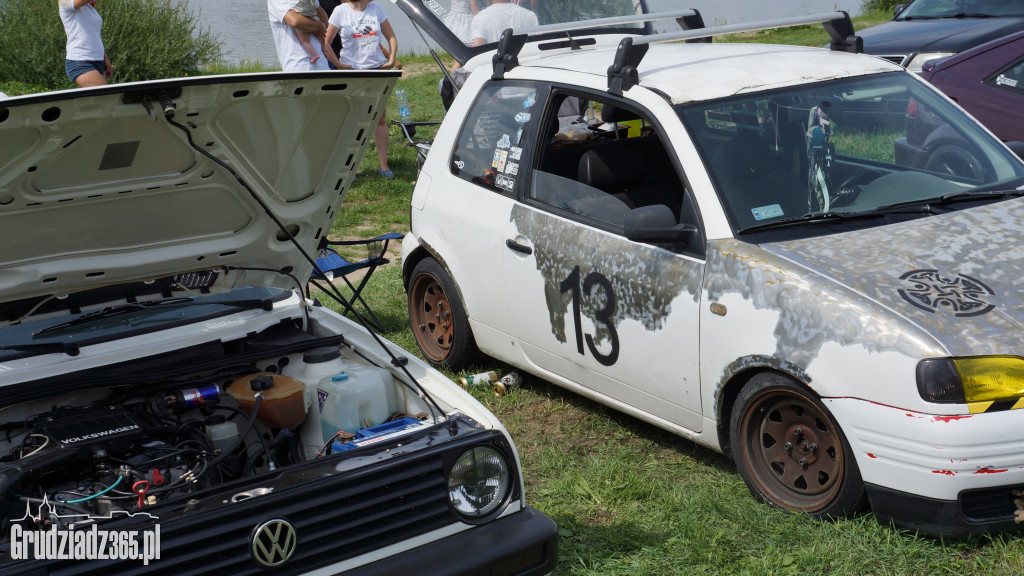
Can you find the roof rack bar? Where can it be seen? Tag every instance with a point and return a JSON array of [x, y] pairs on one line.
[[610, 21], [827, 17]]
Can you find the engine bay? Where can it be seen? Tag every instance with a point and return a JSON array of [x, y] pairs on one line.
[[96, 452]]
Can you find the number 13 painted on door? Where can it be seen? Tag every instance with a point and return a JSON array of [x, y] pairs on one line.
[[604, 315]]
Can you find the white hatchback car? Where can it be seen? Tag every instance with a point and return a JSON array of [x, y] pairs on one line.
[[738, 244], [167, 381]]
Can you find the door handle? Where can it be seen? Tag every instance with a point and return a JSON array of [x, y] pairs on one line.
[[517, 247]]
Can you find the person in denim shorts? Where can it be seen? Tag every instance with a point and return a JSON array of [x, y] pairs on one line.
[[86, 61]]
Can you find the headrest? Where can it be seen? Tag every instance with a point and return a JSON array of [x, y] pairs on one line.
[[611, 168], [615, 114]]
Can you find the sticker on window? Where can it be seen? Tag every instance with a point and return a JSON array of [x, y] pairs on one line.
[[512, 169], [502, 160], [765, 212], [1004, 81], [504, 182], [505, 142]]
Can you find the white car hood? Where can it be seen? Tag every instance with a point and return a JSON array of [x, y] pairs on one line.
[[95, 190]]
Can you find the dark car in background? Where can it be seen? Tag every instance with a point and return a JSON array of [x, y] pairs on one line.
[[988, 81], [924, 30]]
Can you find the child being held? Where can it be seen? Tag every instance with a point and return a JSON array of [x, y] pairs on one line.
[[306, 8]]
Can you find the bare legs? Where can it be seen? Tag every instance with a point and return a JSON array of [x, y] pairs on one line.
[[380, 138], [90, 78]]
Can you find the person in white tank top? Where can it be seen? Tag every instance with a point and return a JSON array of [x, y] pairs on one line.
[[86, 62]]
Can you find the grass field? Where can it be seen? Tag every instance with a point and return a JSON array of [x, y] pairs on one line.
[[629, 498]]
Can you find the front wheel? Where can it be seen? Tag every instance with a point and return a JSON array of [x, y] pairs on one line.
[[438, 318], [790, 450]]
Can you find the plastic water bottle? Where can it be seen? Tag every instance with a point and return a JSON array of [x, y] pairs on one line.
[[403, 105]]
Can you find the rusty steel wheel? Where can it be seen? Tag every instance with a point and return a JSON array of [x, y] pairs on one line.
[[437, 317], [790, 451]]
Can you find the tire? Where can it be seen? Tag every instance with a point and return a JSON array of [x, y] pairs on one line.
[[955, 160], [791, 452], [438, 319]]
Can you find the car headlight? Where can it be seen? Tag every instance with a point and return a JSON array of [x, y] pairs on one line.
[[917, 62], [977, 381], [479, 481]]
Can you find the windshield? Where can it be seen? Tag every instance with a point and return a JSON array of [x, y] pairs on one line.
[[855, 146], [927, 9], [481, 22], [123, 319]]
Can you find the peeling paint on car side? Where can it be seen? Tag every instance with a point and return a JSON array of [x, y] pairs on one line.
[[813, 310], [644, 279]]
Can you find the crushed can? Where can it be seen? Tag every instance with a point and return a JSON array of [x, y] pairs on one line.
[[508, 383], [478, 379]]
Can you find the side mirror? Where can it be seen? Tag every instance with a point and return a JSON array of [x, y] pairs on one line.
[[898, 9], [1017, 148], [657, 224]]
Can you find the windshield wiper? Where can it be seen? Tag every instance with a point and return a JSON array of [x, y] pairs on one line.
[[69, 348], [832, 215], [965, 196], [122, 309], [972, 15]]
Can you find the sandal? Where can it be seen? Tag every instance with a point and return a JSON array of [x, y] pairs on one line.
[[386, 173]]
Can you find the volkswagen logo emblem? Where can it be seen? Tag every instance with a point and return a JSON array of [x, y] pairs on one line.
[[273, 543]]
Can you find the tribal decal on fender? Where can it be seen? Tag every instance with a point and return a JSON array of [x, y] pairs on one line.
[[931, 291]]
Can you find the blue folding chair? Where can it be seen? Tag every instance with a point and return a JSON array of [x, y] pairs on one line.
[[334, 265]]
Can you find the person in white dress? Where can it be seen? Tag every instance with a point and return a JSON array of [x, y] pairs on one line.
[[460, 17]]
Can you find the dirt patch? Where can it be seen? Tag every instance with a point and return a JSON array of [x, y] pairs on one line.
[[414, 69]]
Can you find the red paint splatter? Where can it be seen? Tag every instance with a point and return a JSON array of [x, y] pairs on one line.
[[946, 472], [988, 471], [909, 415], [949, 418], [870, 455]]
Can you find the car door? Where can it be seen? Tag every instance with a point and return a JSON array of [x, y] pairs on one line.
[[476, 201], [616, 318]]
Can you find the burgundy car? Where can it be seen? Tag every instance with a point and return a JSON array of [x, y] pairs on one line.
[[988, 81]]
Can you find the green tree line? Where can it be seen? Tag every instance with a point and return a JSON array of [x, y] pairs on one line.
[[144, 39]]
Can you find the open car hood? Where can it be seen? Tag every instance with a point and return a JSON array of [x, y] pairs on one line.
[[98, 187]]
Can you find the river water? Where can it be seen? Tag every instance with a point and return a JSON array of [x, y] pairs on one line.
[[244, 28]]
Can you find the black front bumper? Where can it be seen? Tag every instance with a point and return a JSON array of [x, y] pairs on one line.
[[974, 512], [521, 544]]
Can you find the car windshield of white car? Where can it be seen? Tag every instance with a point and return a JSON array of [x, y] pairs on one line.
[[825, 152], [931, 9], [51, 322]]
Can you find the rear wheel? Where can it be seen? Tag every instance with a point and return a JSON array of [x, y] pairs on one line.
[[438, 318], [790, 451]]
